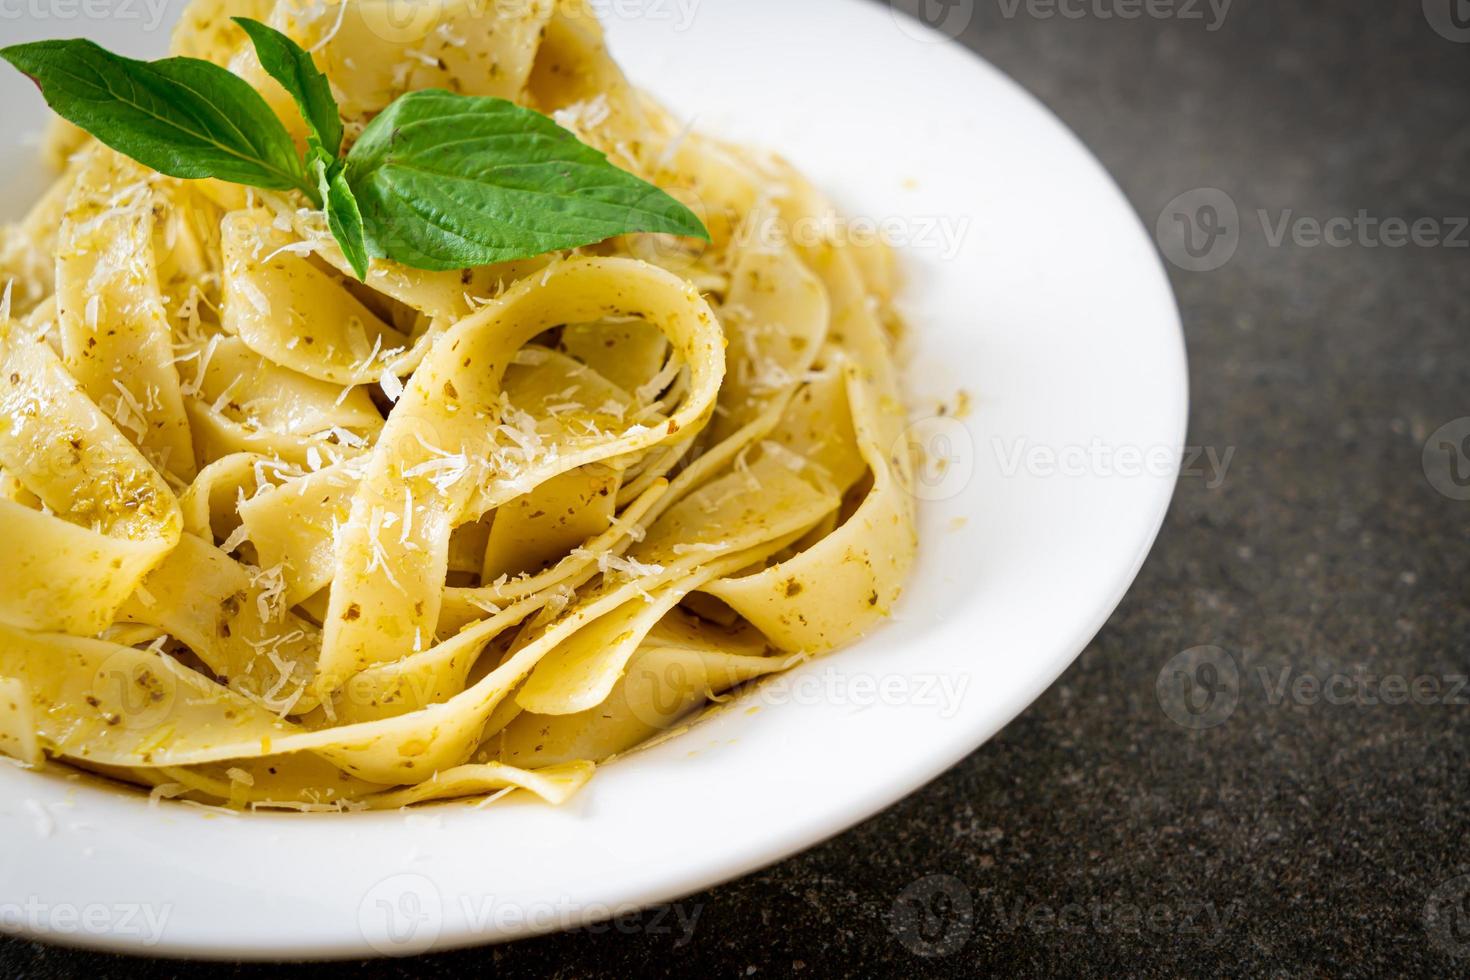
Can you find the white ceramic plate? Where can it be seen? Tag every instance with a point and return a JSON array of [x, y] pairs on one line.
[[1033, 286]]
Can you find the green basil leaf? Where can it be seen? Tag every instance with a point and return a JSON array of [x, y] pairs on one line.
[[181, 116], [343, 218], [291, 65], [449, 181]]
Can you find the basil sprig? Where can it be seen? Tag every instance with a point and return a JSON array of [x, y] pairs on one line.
[[436, 181], [181, 116]]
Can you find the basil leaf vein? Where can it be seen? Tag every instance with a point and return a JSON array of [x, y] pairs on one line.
[[448, 181]]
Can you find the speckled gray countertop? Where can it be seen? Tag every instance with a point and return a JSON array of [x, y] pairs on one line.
[[1317, 832]]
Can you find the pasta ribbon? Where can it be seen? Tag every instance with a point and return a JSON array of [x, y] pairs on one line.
[[107, 516]]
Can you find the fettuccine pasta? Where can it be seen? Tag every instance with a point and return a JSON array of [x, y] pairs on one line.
[[286, 539]]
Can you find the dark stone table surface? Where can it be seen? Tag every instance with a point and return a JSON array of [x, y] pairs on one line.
[[1323, 827]]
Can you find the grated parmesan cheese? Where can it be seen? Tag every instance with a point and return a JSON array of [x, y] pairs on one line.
[[240, 776], [609, 562], [391, 385], [165, 791]]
